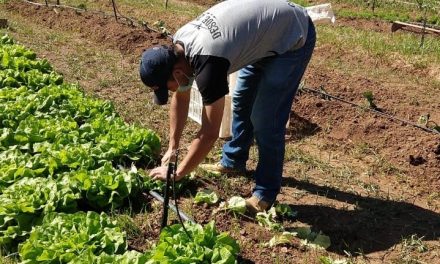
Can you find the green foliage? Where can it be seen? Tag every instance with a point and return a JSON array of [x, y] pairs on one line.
[[285, 238], [312, 239], [268, 220], [236, 204], [370, 99], [6, 40], [308, 238], [61, 237], [329, 260], [58, 147], [285, 210], [387, 15], [206, 196], [105, 187], [204, 246], [390, 11], [24, 202], [129, 257]]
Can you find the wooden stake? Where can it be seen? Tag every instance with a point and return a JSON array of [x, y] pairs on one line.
[[114, 9], [422, 41]]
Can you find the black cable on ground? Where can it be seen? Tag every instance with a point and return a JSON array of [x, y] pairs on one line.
[[327, 95]]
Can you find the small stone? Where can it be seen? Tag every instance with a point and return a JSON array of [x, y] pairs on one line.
[[417, 160], [437, 150]]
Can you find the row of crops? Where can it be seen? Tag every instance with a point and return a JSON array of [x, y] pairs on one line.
[[62, 160]]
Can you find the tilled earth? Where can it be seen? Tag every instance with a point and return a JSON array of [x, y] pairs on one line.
[[401, 160]]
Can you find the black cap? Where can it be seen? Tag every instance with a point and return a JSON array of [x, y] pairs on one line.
[[155, 69]]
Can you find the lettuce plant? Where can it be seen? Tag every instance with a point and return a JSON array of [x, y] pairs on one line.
[[24, 202], [129, 257], [206, 196], [204, 245], [105, 187], [62, 237]]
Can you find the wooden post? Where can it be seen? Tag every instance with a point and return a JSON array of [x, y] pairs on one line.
[[114, 9], [422, 41]]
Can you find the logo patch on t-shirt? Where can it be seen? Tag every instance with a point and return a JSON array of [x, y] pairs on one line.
[[209, 22]]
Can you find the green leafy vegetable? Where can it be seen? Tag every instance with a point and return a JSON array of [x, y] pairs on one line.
[[105, 187], [312, 239], [204, 246], [62, 237], [22, 203], [129, 257], [284, 238], [268, 219], [237, 204], [285, 210], [206, 196]]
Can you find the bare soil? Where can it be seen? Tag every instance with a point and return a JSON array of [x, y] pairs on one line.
[[358, 222]]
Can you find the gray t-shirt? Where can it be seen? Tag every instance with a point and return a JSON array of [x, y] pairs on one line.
[[236, 33]]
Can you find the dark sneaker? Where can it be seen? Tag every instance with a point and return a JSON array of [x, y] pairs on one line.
[[255, 205]]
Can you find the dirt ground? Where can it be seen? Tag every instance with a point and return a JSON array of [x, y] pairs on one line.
[[392, 188]]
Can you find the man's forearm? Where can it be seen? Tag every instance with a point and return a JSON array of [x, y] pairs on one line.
[[178, 115], [198, 150], [208, 134]]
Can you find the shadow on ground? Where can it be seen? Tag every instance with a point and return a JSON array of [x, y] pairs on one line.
[[374, 225], [300, 128]]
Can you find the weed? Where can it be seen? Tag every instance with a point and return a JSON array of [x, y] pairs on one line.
[[128, 225], [82, 6], [432, 200], [362, 149], [370, 99], [409, 246], [8, 260], [329, 260], [104, 83]]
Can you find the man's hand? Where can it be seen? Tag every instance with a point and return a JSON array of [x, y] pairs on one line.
[[170, 154], [160, 173]]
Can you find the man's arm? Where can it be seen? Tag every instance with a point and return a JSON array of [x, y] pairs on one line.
[[178, 115], [205, 139]]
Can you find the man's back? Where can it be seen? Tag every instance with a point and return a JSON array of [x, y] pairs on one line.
[[244, 31]]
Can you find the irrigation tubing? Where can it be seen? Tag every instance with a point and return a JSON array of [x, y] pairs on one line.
[[130, 21], [160, 198], [52, 5], [174, 172], [327, 95]]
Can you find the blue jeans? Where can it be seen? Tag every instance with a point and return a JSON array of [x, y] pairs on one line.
[[261, 105]]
